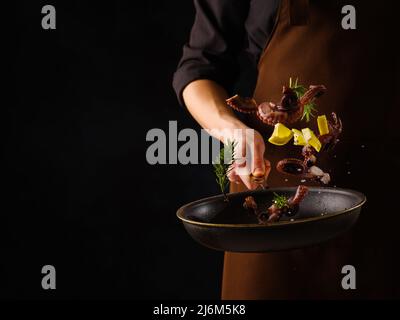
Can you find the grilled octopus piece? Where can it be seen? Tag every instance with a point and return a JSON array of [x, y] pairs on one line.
[[293, 167], [274, 213], [302, 169], [309, 157], [244, 105], [250, 204], [330, 140], [289, 110], [291, 209]]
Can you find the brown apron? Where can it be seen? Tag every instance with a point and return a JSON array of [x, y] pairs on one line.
[[309, 42]]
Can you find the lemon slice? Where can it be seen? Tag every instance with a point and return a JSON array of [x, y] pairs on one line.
[[281, 135], [322, 125], [298, 138], [311, 138]]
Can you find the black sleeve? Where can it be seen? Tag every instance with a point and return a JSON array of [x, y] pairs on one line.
[[216, 38]]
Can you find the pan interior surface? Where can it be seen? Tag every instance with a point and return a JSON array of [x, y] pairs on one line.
[[319, 203]]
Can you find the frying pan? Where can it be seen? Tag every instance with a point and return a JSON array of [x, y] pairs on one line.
[[226, 225]]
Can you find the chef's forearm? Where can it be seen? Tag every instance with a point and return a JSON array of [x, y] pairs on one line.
[[205, 100]]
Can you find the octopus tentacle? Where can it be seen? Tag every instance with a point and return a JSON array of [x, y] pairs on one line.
[[302, 169], [269, 113], [330, 139], [295, 116], [241, 104], [294, 202], [289, 110], [250, 203], [293, 167], [313, 92], [308, 153], [289, 101], [292, 207], [301, 192], [337, 125], [274, 212]]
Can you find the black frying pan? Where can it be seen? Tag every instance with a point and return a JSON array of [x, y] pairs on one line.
[[226, 225]]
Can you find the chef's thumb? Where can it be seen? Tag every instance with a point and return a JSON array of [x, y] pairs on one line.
[[258, 166]]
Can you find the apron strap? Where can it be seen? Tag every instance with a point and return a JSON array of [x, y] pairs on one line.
[[299, 12]]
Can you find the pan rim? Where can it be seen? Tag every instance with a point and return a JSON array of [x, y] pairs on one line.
[[179, 212]]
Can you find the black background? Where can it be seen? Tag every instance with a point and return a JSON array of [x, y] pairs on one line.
[[80, 194]]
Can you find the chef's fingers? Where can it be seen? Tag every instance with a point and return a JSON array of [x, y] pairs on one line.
[[232, 175], [258, 167], [249, 182], [258, 163], [236, 175], [249, 162], [262, 180], [267, 165], [240, 153]]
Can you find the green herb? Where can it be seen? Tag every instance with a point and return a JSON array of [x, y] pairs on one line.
[[280, 201], [223, 165], [309, 108]]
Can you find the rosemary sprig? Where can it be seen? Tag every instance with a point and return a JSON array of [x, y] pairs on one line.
[[280, 201], [309, 108], [223, 165]]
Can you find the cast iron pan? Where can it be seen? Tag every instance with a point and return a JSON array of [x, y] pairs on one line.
[[226, 225]]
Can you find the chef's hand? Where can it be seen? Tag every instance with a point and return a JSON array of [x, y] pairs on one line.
[[206, 102], [250, 167]]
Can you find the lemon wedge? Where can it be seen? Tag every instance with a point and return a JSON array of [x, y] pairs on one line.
[[322, 125], [311, 138], [281, 135], [298, 138]]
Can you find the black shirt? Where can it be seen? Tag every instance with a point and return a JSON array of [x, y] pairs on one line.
[[223, 31]]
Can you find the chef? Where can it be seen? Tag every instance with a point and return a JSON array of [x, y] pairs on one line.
[[279, 39]]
